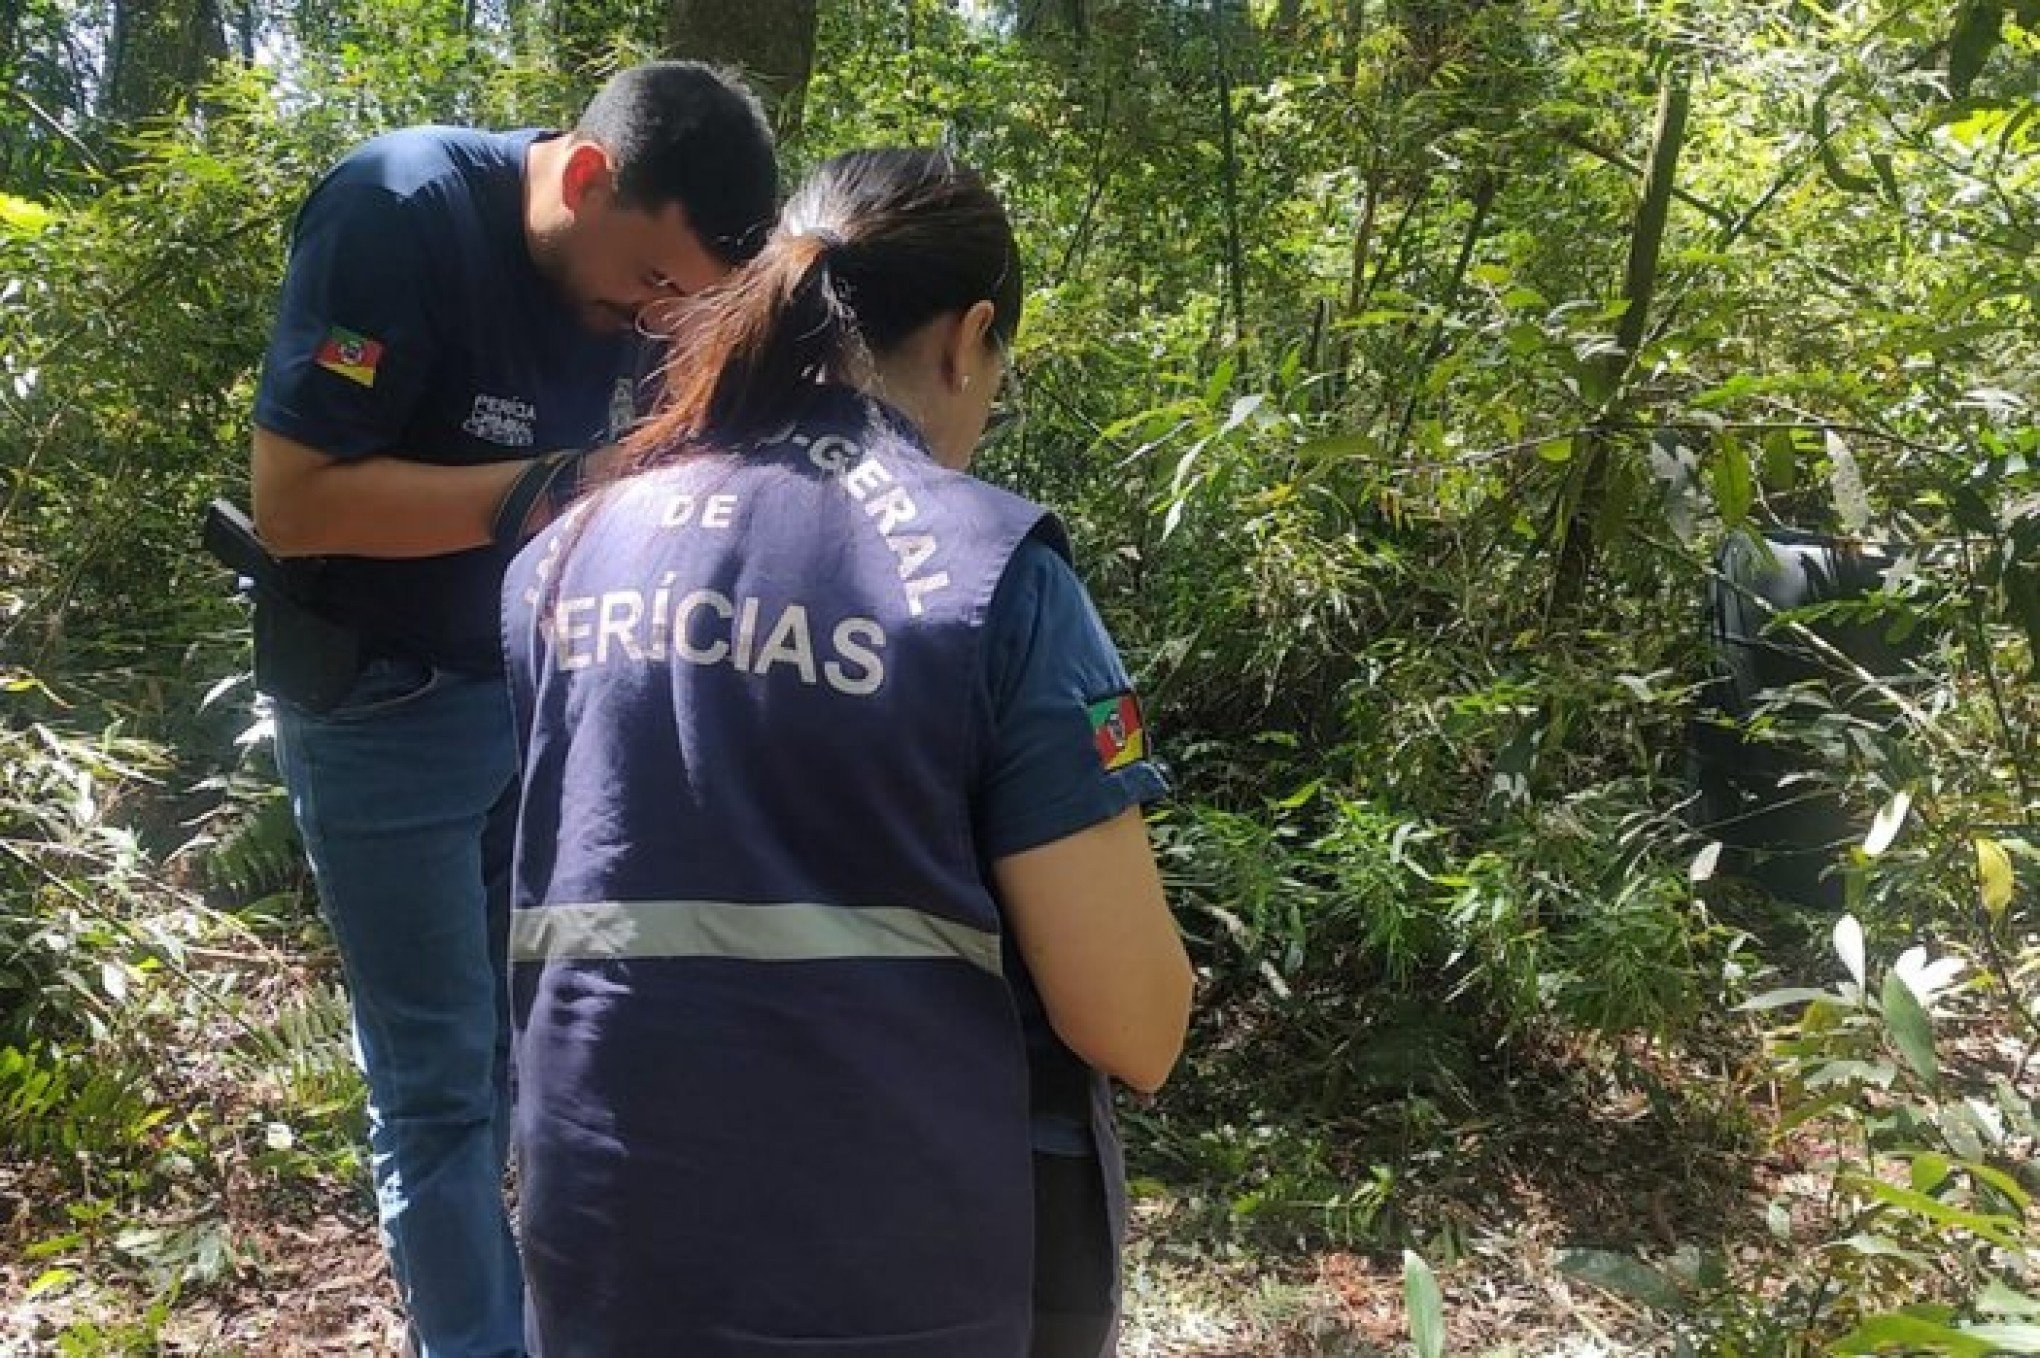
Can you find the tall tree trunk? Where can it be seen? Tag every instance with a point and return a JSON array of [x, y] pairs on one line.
[[158, 52], [1037, 16], [1639, 285], [1363, 245], [1356, 31], [770, 42], [1234, 255]]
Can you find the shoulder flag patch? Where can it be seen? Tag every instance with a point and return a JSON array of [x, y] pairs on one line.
[[1118, 731], [352, 356]]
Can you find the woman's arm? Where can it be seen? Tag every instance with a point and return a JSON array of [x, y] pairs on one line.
[[1088, 913]]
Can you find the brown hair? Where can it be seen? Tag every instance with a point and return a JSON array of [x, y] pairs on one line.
[[875, 245]]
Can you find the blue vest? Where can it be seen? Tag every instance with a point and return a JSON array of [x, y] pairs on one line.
[[772, 1085]]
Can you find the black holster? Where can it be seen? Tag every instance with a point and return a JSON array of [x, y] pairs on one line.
[[302, 655]]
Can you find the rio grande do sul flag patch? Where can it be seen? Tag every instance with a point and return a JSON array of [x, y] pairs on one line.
[[1118, 731], [352, 356]]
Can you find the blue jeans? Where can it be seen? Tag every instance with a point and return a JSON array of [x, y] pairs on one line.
[[405, 796]]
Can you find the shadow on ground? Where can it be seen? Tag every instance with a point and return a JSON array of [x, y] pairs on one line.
[[1295, 1165]]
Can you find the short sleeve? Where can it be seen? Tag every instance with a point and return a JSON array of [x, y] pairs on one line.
[[1070, 748], [352, 352]]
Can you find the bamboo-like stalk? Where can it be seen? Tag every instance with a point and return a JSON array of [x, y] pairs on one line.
[[1589, 485]]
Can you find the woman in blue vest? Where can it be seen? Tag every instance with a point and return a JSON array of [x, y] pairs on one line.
[[834, 906]]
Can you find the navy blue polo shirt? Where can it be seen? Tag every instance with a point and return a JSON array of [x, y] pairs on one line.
[[1053, 685], [1052, 682], [415, 324]]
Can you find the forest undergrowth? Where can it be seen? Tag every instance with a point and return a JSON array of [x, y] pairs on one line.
[[1431, 388]]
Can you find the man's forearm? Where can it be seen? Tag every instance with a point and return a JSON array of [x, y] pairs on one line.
[[308, 504]]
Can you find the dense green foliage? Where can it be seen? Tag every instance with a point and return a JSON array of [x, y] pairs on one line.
[[1399, 368]]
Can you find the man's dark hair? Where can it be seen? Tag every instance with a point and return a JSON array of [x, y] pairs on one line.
[[874, 246], [681, 132]]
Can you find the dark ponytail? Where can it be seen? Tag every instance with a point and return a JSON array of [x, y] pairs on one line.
[[875, 245]]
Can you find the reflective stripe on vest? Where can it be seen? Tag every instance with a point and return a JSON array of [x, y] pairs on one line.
[[779, 932]]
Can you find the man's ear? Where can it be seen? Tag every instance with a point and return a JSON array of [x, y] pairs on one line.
[[587, 171]]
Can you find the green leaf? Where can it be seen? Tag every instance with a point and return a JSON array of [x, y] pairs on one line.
[[1963, 1131], [56, 1244], [50, 1279], [1813, 1109], [1523, 339], [1781, 460], [1929, 1171], [1979, 28], [1734, 492], [1622, 492], [22, 216], [2014, 1192], [1426, 1306], [1555, 450], [1778, 999], [1910, 1027], [1881, 163], [1624, 1276], [1300, 796], [1221, 378], [1146, 419], [1843, 178], [1998, 1230], [1910, 1333], [1993, 876], [1337, 446]]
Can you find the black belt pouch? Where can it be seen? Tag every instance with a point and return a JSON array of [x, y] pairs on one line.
[[301, 657]]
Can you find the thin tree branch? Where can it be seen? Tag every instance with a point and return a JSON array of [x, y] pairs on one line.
[[1484, 193], [2013, 745], [63, 134], [1080, 237]]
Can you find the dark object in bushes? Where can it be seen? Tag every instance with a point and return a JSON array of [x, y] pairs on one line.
[[301, 655], [1770, 801]]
